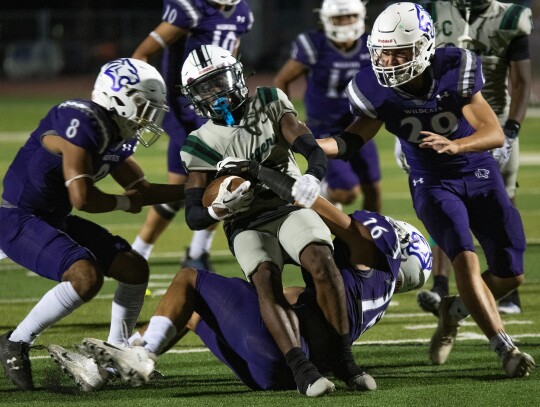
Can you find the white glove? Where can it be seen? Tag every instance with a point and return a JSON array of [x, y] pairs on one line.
[[502, 154], [305, 190], [400, 157], [232, 202], [233, 166]]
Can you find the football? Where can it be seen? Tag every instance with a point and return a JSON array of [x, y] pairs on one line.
[[212, 189]]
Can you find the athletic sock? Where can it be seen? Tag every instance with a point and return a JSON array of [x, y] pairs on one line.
[[57, 303], [141, 247], [200, 243], [440, 285], [304, 372], [158, 334], [126, 307], [501, 343], [344, 366]]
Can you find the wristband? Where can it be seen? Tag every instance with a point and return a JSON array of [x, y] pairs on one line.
[[511, 128], [123, 203], [158, 39]]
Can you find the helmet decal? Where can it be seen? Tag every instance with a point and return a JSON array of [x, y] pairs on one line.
[[115, 70]]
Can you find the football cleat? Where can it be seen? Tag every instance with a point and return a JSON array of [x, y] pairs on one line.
[[16, 362], [134, 364], [429, 301], [88, 375], [202, 262], [320, 387], [517, 363], [445, 334], [362, 382], [508, 307]]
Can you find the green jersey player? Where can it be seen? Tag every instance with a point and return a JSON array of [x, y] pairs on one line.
[[263, 230]]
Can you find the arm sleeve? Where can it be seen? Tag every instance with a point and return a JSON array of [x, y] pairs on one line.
[[518, 50], [317, 161], [197, 216]]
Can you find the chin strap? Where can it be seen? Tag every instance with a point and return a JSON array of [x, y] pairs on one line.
[[221, 106]]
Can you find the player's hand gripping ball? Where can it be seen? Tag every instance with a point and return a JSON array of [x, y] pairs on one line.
[[228, 195]]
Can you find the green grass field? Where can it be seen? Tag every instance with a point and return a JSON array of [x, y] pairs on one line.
[[394, 351]]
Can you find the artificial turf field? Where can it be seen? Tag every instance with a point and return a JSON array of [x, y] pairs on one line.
[[394, 351]]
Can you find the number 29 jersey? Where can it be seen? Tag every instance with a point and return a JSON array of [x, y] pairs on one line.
[[456, 76]]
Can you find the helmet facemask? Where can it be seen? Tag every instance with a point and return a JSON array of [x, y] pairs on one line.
[[331, 10], [219, 93], [473, 5], [145, 122], [407, 27]]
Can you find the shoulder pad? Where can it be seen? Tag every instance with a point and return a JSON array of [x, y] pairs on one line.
[[267, 95]]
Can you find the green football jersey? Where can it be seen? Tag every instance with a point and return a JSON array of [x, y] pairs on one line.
[[257, 137], [490, 33]]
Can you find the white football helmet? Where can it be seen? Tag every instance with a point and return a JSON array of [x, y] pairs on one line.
[[416, 257], [472, 4], [213, 80], [335, 8], [225, 2], [135, 92], [400, 26]]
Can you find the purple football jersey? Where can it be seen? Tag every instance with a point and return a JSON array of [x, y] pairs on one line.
[[330, 70], [457, 76], [232, 327], [206, 25], [35, 181]]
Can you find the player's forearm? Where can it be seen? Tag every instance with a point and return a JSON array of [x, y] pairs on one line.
[[197, 216], [162, 193]]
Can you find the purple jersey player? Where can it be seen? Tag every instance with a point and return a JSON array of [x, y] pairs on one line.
[[185, 26], [78, 143], [328, 60], [397, 259], [431, 100]]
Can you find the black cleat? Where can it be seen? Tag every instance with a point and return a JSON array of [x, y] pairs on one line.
[[16, 362]]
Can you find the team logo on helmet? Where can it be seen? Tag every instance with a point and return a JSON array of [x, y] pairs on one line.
[[115, 70]]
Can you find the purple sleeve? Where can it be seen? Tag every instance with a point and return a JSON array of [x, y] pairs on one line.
[[182, 14], [303, 51], [77, 127]]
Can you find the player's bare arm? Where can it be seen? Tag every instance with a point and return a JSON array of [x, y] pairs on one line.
[[359, 132], [163, 35], [288, 73], [131, 177], [78, 173], [520, 89]]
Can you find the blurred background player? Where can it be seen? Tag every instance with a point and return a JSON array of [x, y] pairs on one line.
[[185, 26], [76, 144], [430, 98], [329, 59], [499, 34]]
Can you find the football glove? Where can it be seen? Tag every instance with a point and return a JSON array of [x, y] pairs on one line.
[[400, 157], [502, 154], [232, 166], [305, 190], [231, 202]]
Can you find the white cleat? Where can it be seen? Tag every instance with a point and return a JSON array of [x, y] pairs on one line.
[[517, 363], [429, 301], [445, 334], [86, 373], [134, 364], [362, 382], [320, 387]]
